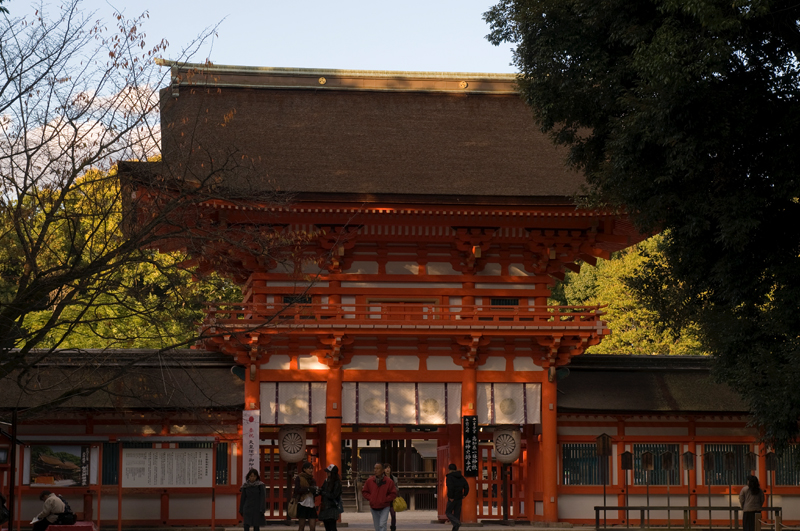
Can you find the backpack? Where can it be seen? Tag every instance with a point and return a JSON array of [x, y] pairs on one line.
[[67, 517]]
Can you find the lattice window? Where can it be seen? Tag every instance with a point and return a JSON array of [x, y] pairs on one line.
[[581, 466], [788, 470], [658, 476], [720, 475]]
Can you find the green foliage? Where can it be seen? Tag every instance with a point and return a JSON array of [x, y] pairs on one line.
[[636, 329], [142, 299], [685, 113]]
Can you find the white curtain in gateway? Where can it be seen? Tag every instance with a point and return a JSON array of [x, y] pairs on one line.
[[371, 403], [293, 402], [401, 403], [509, 403], [432, 403]]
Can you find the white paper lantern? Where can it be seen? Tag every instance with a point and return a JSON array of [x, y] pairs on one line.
[[507, 444], [292, 444]]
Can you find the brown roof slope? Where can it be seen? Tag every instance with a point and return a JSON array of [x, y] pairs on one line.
[[362, 132], [669, 384], [175, 380]]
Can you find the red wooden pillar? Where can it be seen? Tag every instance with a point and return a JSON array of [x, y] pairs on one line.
[[621, 482], [549, 451], [333, 418], [252, 387], [762, 476], [692, 486], [87, 506], [531, 449], [469, 400]]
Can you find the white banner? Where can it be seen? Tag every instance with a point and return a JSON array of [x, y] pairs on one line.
[[167, 467], [251, 425], [509, 403]]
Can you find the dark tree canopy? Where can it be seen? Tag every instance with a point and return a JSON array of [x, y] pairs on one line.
[[685, 113]]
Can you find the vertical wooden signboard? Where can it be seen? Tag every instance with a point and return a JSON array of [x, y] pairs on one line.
[[470, 445]]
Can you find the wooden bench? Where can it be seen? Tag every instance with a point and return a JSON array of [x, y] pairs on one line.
[[77, 526]]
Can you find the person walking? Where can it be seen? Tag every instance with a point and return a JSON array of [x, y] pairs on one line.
[[380, 492], [254, 501], [305, 489], [751, 498], [331, 492], [457, 488], [387, 469]]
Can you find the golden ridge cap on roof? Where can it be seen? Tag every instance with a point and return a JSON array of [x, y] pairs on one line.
[[236, 76]]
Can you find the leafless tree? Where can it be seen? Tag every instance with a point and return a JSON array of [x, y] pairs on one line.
[[77, 100]]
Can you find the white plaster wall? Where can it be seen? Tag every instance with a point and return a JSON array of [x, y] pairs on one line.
[[517, 270], [401, 363], [310, 363], [675, 500], [578, 505], [716, 501], [790, 505], [226, 506], [277, 362], [365, 363], [656, 430], [440, 268], [490, 270], [713, 432], [189, 506], [525, 364], [363, 268], [493, 364], [134, 507], [442, 363], [402, 268]]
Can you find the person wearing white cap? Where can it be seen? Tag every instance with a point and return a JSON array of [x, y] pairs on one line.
[[331, 492]]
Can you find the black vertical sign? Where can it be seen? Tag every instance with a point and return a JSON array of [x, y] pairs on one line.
[[470, 445], [85, 459]]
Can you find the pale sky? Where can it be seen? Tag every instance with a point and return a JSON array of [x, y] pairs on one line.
[[433, 35]]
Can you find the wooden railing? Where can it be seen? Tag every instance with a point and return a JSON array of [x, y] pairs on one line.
[[400, 313]]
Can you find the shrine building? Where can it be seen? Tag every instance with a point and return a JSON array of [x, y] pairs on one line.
[[413, 324]]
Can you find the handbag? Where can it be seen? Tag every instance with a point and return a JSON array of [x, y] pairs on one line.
[[340, 505], [291, 509], [399, 505]]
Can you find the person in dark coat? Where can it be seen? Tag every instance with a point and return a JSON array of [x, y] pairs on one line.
[[331, 491], [254, 501], [457, 489], [751, 499]]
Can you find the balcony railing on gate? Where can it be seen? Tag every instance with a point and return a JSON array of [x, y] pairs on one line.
[[238, 314]]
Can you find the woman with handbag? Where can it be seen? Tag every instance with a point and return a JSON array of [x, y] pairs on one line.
[[331, 493], [305, 489], [387, 469], [254, 501]]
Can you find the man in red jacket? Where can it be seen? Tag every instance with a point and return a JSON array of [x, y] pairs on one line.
[[380, 491]]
